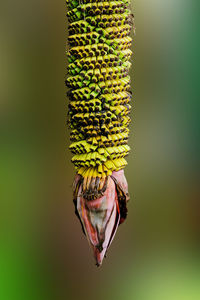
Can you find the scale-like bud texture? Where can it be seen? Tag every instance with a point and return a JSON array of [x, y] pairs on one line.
[[99, 106]]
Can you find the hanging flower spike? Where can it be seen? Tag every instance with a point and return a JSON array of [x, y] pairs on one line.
[[99, 106]]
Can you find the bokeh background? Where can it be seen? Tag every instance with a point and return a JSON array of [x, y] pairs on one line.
[[43, 253]]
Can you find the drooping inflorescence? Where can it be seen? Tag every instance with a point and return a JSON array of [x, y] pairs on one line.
[[99, 105]]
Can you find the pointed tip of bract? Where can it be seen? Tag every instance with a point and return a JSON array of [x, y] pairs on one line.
[[99, 256], [99, 259]]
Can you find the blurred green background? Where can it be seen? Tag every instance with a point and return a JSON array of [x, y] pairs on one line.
[[43, 253]]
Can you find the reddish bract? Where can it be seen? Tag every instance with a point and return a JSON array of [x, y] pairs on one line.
[[101, 217]]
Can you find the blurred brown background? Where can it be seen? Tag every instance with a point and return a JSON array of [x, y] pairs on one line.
[[43, 253]]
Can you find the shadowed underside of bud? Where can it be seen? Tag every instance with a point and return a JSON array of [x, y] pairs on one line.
[[101, 217]]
